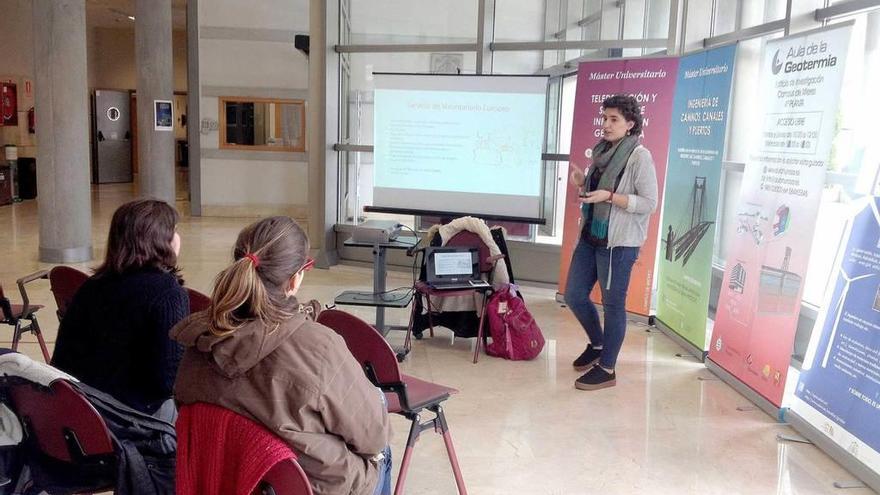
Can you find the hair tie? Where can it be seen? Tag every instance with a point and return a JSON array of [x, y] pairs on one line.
[[253, 258]]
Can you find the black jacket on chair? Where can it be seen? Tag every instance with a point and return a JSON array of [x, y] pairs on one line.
[[146, 446], [144, 459]]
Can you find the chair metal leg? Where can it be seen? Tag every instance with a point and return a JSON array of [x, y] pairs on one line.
[[480, 330], [438, 424], [450, 450], [16, 335], [453, 460], [414, 430], [35, 329]]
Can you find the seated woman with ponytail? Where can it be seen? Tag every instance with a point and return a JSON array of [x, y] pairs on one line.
[[258, 354]]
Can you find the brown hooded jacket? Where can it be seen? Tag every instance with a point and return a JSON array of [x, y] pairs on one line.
[[301, 382]]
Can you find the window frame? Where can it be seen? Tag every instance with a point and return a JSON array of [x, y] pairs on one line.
[[223, 144]]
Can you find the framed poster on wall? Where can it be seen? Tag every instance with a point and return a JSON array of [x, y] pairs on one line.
[[163, 115]]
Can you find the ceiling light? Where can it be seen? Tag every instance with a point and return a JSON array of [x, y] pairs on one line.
[[131, 17]]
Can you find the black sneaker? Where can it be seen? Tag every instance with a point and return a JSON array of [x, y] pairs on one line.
[[587, 359], [595, 379]]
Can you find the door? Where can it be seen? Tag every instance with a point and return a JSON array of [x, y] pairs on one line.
[[113, 136]]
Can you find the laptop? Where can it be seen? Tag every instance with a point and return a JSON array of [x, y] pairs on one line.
[[454, 268]]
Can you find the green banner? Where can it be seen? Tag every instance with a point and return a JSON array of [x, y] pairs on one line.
[[687, 231]]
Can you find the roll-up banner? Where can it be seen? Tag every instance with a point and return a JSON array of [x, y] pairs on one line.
[[782, 183], [687, 230], [838, 391], [652, 82]]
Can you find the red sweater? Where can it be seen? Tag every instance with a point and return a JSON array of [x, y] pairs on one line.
[[221, 452]]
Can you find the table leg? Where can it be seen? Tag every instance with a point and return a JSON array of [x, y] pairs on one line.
[[379, 272]]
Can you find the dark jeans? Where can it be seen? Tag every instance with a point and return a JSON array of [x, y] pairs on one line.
[[611, 268]]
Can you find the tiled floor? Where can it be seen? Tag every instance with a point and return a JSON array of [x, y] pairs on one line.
[[521, 427]]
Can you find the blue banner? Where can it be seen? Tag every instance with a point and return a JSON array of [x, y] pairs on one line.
[[839, 387], [687, 231]]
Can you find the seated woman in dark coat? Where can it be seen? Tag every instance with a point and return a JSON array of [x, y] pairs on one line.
[[114, 335]]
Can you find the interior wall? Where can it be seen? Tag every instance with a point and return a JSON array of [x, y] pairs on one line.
[[16, 38], [112, 63], [110, 58], [258, 37], [17, 66]]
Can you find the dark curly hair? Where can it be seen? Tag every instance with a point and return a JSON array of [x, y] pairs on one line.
[[629, 108]]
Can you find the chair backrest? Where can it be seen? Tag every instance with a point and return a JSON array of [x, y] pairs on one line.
[[221, 451], [5, 308], [467, 238], [197, 300], [366, 345], [285, 478], [64, 281], [60, 421]]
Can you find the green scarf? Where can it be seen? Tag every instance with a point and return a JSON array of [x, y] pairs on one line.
[[609, 159]]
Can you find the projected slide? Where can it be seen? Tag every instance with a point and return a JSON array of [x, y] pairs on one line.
[[468, 144]]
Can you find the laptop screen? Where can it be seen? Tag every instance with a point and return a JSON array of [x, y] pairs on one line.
[[452, 264], [455, 263]]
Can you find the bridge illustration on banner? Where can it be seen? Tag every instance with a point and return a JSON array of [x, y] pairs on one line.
[[682, 241]]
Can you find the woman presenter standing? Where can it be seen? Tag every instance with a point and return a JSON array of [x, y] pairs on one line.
[[618, 193]]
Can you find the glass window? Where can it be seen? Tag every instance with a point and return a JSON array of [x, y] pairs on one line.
[[518, 21], [566, 116], [696, 29], [657, 25], [611, 12], [554, 20], [516, 62], [634, 24], [577, 10], [261, 124], [566, 112], [359, 99], [757, 12], [356, 184], [413, 21], [725, 16], [455, 21], [774, 10]]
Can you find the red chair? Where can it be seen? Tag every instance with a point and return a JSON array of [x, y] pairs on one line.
[[285, 478], [487, 266], [61, 424], [197, 300], [64, 281], [406, 395], [16, 314]]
